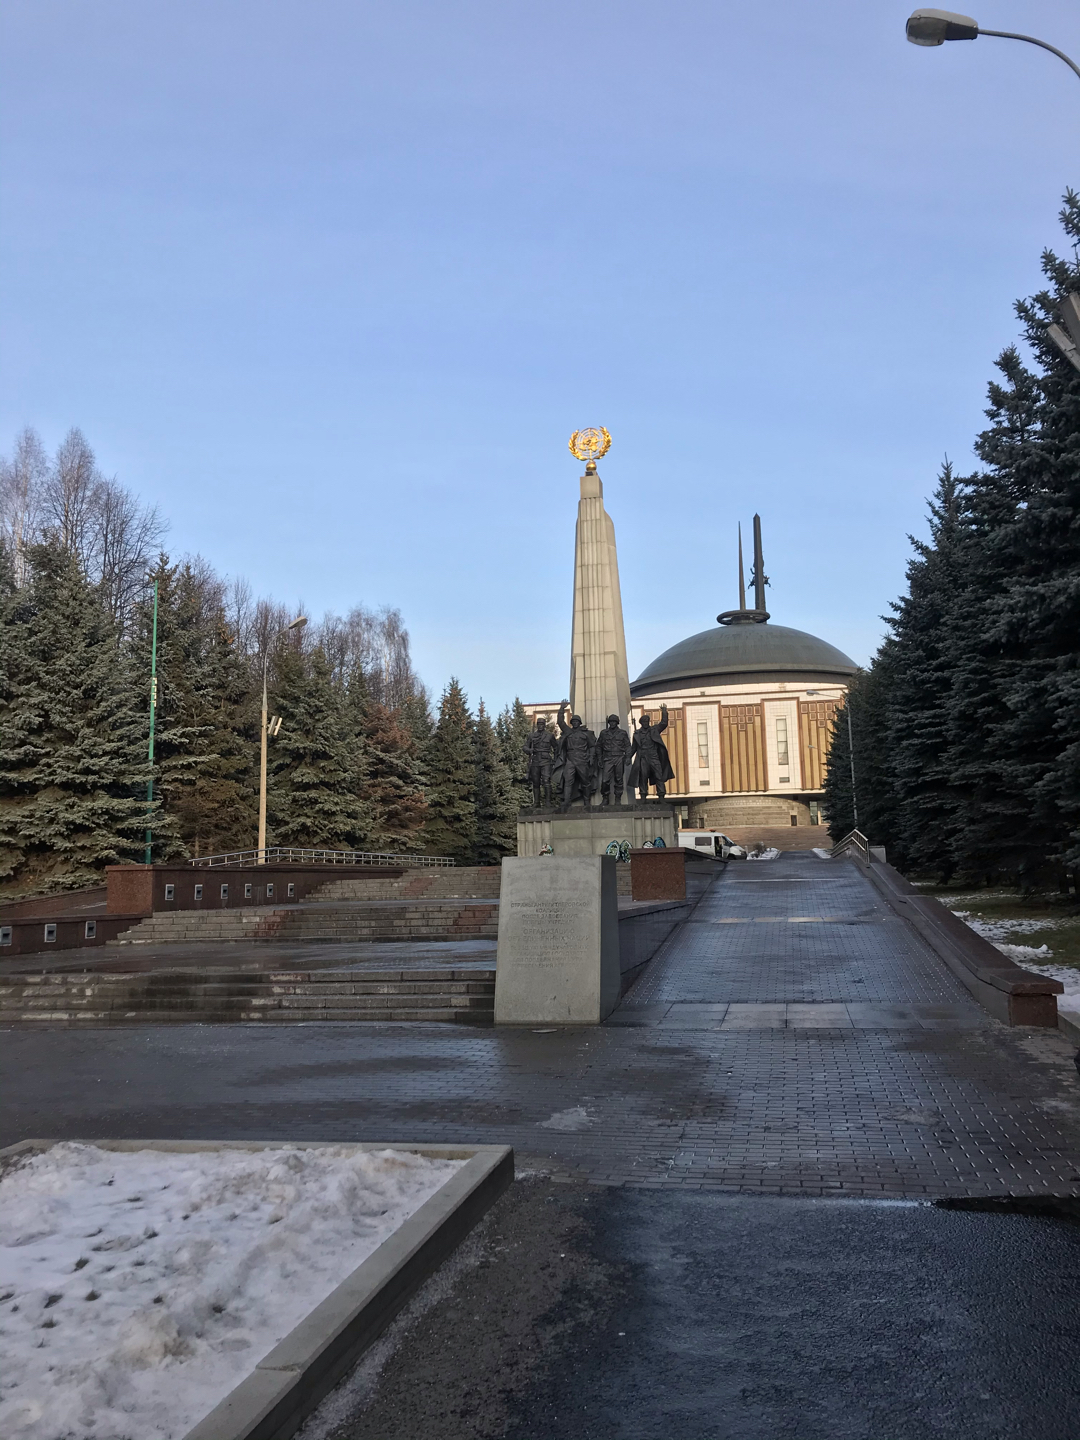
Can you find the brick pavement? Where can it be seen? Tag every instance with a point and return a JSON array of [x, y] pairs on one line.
[[900, 1107]]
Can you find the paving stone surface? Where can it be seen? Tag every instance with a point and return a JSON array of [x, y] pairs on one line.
[[909, 1089]]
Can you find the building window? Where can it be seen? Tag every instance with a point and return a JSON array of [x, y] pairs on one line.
[[198, 892], [224, 892], [703, 782], [270, 890], [703, 744], [291, 892], [247, 892], [794, 819], [90, 931], [5, 934], [170, 892], [781, 741], [50, 934]]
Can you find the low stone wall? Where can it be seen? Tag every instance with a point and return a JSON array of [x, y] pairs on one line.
[[144, 889], [642, 930], [658, 874], [31, 935], [1009, 992]]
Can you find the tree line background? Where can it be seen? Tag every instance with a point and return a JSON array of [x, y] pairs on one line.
[[360, 762], [967, 723]]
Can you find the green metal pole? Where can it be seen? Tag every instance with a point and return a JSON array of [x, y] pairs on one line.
[[153, 709]]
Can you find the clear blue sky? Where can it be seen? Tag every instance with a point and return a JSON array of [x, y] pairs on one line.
[[333, 282]]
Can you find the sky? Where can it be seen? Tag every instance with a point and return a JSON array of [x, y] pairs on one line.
[[332, 284]]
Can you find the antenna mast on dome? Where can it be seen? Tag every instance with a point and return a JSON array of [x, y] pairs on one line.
[[759, 579]]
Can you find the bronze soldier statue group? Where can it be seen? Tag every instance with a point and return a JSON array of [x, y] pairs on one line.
[[575, 763]]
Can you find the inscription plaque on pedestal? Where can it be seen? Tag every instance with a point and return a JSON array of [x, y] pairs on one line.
[[558, 958]]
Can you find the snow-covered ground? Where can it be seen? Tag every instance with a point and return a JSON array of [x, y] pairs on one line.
[[136, 1290], [765, 855], [1031, 957], [822, 854]]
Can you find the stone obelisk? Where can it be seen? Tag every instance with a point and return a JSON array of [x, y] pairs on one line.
[[599, 679]]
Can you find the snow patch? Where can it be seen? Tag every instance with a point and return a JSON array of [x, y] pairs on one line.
[[577, 1118], [1031, 957], [822, 854], [140, 1288], [765, 855], [995, 930]]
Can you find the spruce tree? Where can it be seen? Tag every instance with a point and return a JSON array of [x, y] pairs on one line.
[[73, 742], [393, 782], [915, 799], [513, 728], [315, 781], [450, 767], [176, 730], [216, 808], [496, 804]]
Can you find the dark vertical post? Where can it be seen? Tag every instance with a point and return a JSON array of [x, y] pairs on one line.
[[153, 710], [759, 567]]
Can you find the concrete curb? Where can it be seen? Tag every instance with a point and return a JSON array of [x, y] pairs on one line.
[[1006, 990], [1069, 1024], [288, 1383]]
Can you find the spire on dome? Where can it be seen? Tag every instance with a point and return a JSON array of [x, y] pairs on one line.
[[743, 616]]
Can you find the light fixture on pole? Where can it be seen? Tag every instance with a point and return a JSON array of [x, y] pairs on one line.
[[934, 27], [297, 624], [1068, 340]]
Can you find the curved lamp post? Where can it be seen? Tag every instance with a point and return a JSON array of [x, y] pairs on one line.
[[297, 624], [934, 27]]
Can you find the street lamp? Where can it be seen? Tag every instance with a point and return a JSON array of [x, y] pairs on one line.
[[934, 27], [1068, 340], [851, 751], [297, 624]]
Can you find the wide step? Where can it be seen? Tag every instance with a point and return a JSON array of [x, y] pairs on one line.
[[240, 997]]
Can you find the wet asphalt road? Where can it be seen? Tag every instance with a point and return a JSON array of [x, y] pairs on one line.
[[601, 1313]]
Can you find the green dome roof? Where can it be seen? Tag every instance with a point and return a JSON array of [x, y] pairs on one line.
[[730, 654]]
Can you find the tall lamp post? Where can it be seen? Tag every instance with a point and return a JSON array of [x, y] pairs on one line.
[[150, 755], [934, 27], [851, 751], [297, 624]]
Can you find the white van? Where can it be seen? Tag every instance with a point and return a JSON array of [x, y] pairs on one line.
[[711, 842]]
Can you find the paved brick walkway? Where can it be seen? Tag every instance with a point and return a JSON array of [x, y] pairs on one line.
[[908, 1090]]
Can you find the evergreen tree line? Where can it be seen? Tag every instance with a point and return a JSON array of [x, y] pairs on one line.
[[966, 725], [359, 761]]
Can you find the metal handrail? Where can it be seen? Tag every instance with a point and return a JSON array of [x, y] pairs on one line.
[[854, 840], [292, 855]]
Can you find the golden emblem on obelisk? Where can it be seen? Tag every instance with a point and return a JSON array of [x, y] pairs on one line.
[[590, 444]]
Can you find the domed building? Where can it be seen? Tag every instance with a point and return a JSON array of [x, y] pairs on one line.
[[750, 715]]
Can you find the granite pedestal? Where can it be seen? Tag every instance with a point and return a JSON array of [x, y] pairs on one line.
[[582, 831], [558, 957]]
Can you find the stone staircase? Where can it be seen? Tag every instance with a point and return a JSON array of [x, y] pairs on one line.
[[401, 919], [184, 997], [469, 882]]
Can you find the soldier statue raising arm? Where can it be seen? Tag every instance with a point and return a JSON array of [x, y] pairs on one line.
[[651, 763], [578, 747]]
